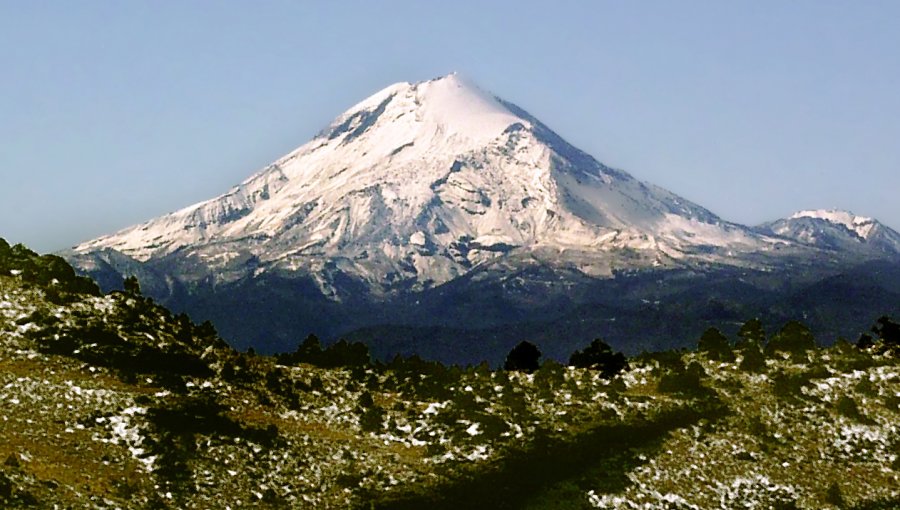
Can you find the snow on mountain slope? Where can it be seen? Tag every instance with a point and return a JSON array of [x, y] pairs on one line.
[[837, 230], [861, 225], [421, 182]]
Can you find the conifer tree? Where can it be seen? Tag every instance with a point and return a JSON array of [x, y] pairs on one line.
[[794, 338], [132, 286], [599, 356], [524, 357], [715, 345]]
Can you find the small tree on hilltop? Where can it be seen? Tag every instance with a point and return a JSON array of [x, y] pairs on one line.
[[599, 356], [309, 351], [885, 335], [794, 338], [751, 339], [686, 380], [345, 354], [753, 361], [751, 335], [524, 357], [132, 286], [715, 345], [887, 330]]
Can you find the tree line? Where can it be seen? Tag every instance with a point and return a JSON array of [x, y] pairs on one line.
[[752, 345]]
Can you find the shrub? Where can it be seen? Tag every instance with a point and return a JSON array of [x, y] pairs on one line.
[[794, 338], [524, 357], [885, 336], [372, 419], [887, 330], [132, 286], [753, 360], [715, 345], [345, 354], [751, 334], [665, 359], [684, 380], [846, 406], [6, 485], [599, 356], [789, 386], [308, 351], [834, 496], [341, 354]]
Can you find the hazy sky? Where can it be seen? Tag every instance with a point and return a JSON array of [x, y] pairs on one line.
[[112, 113]]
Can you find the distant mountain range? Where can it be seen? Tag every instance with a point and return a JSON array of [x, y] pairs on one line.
[[439, 219]]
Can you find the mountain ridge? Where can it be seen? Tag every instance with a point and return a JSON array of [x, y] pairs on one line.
[[435, 189], [453, 178], [836, 229]]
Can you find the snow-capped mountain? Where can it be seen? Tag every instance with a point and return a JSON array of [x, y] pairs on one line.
[[418, 184], [834, 229], [435, 218]]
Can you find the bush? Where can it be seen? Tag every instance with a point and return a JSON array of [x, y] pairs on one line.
[[887, 330], [428, 379], [834, 496], [176, 426], [684, 380], [789, 386], [885, 336], [342, 354], [753, 360], [51, 272], [715, 345], [308, 351], [6, 485], [346, 354], [132, 286], [524, 357], [599, 356], [847, 407], [794, 339], [751, 334], [372, 419], [671, 359]]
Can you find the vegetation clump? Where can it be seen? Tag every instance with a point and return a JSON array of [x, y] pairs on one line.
[[793, 339], [599, 356], [884, 337], [524, 357], [715, 345]]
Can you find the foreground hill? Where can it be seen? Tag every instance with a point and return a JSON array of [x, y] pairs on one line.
[[110, 401]]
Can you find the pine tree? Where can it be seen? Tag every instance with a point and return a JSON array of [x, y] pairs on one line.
[[715, 345], [794, 338], [132, 286], [751, 335], [524, 357], [599, 356]]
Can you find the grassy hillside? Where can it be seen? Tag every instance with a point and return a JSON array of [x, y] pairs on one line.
[[110, 401]]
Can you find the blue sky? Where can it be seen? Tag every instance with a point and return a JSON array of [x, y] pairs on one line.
[[115, 112]]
